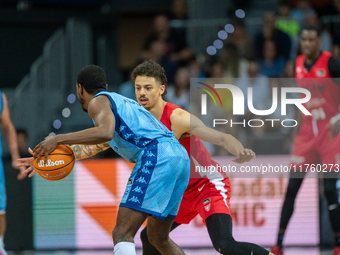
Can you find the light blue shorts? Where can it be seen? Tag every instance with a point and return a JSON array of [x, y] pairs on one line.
[[158, 180], [3, 197]]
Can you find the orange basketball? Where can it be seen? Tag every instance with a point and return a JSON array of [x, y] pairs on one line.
[[60, 163]]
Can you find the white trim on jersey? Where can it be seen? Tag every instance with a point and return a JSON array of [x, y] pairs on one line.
[[220, 185]]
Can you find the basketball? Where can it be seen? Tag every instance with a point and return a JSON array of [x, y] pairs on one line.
[[60, 163]]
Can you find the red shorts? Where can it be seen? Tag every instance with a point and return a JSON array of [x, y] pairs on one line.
[[315, 149], [204, 197]]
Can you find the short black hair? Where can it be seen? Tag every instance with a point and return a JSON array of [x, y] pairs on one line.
[[312, 28], [92, 78], [150, 68]]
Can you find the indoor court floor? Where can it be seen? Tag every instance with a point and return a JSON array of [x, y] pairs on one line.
[[288, 251]]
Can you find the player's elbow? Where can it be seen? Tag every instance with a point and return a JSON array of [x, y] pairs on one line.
[[108, 136]]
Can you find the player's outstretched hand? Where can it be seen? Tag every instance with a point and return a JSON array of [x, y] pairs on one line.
[[244, 156], [26, 162]]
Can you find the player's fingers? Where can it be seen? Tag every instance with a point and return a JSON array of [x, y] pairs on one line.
[[29, 169], [46, 157], [30, 151], [23, 164], [32, 173]]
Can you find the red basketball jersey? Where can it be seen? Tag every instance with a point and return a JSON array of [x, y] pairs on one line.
[[198, 153], [325, 94]]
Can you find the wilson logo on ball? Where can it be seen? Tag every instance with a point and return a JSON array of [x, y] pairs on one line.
[[60, 163], [51, 163]]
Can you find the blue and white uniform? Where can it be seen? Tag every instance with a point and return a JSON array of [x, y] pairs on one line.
[[162, 169], [3, 197]]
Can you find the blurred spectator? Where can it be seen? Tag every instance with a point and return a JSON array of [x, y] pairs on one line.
[[256, 80], [260, 88], [284, 22], [269, 31], [336, 51], [175, 45], [127, 88], [195, 69], [155, 50], [300, 11], [179, 12], [22, 138], [326, 39], [333, 26], [241, 40], [272, 64], [234, 65], [179, 93]]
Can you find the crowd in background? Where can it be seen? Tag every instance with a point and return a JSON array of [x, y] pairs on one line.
[[246, 60]]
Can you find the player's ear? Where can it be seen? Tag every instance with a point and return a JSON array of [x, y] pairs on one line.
[[161, 89], [80, 89]]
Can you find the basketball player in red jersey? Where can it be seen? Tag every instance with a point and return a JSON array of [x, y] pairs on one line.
[[207, 196], [317, 139]]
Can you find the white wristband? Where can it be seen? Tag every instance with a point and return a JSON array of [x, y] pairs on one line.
[[334, 119]]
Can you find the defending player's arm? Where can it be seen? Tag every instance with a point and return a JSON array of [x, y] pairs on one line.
[[100, 110], [10, 135], [183, 122]]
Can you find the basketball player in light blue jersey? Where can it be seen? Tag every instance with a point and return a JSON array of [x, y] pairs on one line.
[[161, 174], [10, 136]]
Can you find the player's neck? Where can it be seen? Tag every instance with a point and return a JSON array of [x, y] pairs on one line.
[[312, 58], [158, 108]]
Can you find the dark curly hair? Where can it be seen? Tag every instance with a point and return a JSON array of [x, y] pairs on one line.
[[92, 78], [150, 68]]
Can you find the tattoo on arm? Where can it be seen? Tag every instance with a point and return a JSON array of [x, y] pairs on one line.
[[87, 150], [102, 147], [76, 150]]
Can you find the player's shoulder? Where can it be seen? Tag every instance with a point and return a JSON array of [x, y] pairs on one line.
[[178, 116]]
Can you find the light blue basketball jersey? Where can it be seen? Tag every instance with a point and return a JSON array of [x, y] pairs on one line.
[[3, 197], [135, 129], [1, 106]]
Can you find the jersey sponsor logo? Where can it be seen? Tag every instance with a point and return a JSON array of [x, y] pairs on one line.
[[49, 162], [141, 180], [127, 136], [137, 190], [145, 170], [148, 163], [207, 207], [149, 154], [206, 201], [297, 159], [134, 199], [199, 189], [321, 73]]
